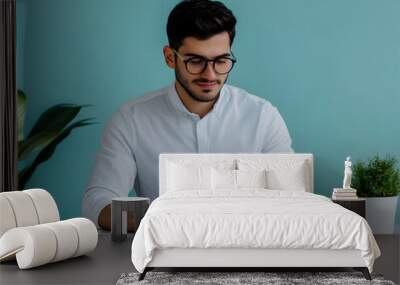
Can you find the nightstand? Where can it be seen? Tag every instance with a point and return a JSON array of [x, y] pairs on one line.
[[355, 205]]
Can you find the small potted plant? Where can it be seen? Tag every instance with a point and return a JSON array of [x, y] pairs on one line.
[[379, 182]]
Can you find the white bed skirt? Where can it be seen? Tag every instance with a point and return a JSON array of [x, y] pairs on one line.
[[193, 257]]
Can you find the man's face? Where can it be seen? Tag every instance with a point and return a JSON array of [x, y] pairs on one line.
[[203, 87]]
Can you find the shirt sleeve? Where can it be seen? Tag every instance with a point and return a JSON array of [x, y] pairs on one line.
[[277, 138], [114, 171]]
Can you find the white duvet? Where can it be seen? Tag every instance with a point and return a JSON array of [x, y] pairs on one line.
[[251, 218]]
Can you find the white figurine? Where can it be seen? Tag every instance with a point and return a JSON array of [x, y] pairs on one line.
[[347, 173]]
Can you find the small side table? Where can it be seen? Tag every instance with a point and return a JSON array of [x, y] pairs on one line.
[[119, 215], [355, 205]]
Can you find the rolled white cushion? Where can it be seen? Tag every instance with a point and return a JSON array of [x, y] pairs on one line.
[[87, 235], [23, 208], [45, 205], [26, 208], [33, 246], [45, 243], [7, 218], [67, 240]]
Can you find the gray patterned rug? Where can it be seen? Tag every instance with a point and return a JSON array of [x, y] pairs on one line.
[[243, 278]]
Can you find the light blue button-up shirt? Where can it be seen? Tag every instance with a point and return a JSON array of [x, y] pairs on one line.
[[158, 122]]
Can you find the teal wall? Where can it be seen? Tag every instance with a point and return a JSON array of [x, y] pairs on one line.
[[331, 67]]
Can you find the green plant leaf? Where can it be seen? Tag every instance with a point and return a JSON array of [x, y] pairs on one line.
[[48, 151], [21, 110], [56, 118], [377, 178], [37, 141], [47, 127]]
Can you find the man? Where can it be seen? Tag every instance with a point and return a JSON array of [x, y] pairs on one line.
[[198, 113]]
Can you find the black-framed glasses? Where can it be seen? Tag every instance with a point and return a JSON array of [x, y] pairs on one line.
[[197, 64]]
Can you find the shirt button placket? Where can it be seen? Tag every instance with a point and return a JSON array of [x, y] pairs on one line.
[[201, 136]]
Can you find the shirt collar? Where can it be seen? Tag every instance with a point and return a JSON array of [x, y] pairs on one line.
[[178, 104]]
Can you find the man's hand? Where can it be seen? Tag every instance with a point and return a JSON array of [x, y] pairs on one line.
[[105, 219]]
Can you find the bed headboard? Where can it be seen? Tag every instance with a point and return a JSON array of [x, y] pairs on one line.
[[165, 158]]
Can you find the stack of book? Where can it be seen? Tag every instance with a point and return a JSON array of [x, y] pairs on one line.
[[344, 194]]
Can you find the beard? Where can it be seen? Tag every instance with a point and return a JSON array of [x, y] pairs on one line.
[[206, 96]]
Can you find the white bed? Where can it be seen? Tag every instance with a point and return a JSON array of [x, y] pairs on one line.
[[200, 220]]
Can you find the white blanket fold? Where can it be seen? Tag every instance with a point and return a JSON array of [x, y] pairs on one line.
[[251, 218]]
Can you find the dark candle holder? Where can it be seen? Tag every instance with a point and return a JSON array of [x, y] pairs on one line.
[[120, 207]]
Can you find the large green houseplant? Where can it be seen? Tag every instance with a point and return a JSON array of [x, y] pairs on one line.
[[52, 127], [378, 180]]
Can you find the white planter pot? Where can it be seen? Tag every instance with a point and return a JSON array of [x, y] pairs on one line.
[[381, 214]]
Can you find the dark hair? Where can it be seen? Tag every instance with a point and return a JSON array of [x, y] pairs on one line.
[[201, 19]]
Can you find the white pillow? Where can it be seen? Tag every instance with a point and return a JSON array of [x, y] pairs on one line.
[[223, 179], [282, 174], [188, 177], [292, 179], [251, 178], [236, 179]]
